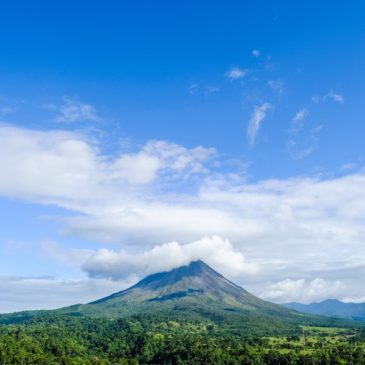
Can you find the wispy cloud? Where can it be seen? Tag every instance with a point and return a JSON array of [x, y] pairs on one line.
[[206, 91], [72, 110], [337, 98], [256, 120], [236, 73], [277, 86], [256, 53], [299, 146], [315, 99], [300, 116], [331, 95], [303, 138], [209, 90], [193, 89], [297, 152], [349, 166]]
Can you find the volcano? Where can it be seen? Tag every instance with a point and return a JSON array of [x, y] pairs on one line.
[[192, 292]]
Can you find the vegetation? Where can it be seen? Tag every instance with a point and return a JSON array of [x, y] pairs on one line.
[[63, 339], [190, 315]]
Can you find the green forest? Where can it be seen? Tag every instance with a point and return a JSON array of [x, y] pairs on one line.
[[67, 340], [156, 322]]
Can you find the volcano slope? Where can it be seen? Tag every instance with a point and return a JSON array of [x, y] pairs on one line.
[[191, 293], [197, 292]]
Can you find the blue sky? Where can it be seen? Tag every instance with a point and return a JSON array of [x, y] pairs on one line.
[[134, 131]]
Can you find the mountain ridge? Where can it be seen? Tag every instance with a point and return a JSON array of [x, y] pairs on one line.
[[331, 308]]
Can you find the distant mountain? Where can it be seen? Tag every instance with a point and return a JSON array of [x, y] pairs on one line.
[[194, 292], [331, 307]]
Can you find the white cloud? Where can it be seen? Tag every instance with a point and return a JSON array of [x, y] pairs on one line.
[[299, 145], [277, 86], [297, 122], [64, 165], [56, 252], [179, 159], [19, 293], [256, 120], [303, 139], [208, 90], [301, 115], [308, 227], [256, 53], [337, 98], [236, 73], [45, 164], [215, 251], [304, 291], [72, 111]]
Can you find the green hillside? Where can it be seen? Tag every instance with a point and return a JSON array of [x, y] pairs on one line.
[[189, 315]]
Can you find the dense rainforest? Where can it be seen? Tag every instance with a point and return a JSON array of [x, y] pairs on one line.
[[67, 340], [189, 315]]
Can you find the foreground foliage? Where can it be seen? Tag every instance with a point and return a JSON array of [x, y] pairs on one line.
[[67, 340]]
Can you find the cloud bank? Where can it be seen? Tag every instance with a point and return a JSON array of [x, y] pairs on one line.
[[215, 251], [167, 200]]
